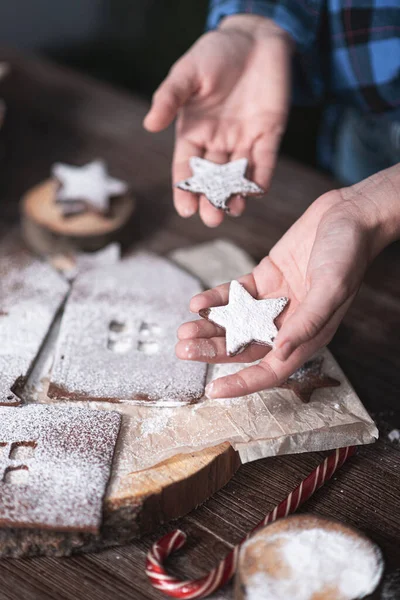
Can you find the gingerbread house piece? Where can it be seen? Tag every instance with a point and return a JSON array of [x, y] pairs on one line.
[[118, 335], [54, 466], [31, 293]]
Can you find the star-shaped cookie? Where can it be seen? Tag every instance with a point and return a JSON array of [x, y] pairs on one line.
[[245, 319], [89, 186], [219, 182], [309, 378]]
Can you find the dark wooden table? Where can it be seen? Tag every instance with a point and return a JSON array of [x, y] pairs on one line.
[[55, 115]]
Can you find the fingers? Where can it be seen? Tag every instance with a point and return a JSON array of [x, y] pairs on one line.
[[271, 371], [237, 204], [211, 216], [310, 318], [264, 153], [220, 294], [173, 93], [186, 203], [246, 381], [199, 329], [213, 350], [268, 373]]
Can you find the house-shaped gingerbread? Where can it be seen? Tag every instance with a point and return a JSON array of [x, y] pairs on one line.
[[118, 335]]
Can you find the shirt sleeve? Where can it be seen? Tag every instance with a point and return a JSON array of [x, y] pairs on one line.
[[300, 18]]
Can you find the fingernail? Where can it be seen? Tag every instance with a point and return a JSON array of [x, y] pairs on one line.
[[208, 392], [212, 225], [234, 214], [283, 352], [187, 212]]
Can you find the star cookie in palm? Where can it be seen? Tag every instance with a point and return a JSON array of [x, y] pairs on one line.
[[219, 182], [245, 319]]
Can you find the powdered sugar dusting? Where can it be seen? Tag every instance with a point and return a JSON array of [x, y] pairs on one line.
[[68, 461], [89, 185], [391, 586], [123, 320], [70, 266], [315, 561], [394, 435], [219, 182], [246, 319], [156, 423], [310, 368], [31, 294]]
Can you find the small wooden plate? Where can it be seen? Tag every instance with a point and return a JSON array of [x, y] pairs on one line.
[[47, 231]]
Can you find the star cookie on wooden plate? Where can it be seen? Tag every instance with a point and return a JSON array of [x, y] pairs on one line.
[[219, 182], [87, 186], [309, 378], [245, 319]]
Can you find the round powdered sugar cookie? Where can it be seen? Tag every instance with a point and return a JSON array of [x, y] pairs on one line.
[[307, 558]]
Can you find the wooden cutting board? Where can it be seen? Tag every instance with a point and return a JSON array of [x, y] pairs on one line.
[[144, 501], [139, 502]]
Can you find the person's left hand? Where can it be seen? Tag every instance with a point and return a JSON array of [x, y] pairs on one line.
[[319, 265], [230, 93]]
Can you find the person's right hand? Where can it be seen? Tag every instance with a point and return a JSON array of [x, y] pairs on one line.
[[319, 265], [231, 94]]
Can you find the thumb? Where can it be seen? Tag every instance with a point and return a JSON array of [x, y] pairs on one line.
[[173, 93], [311, 316]]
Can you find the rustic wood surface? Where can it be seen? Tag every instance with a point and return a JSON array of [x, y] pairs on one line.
[[57, 115]]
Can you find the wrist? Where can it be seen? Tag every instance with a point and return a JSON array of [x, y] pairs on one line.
[[255, 26], [377, 199]]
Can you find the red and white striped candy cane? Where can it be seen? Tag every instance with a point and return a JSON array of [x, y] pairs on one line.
[[200, 588]]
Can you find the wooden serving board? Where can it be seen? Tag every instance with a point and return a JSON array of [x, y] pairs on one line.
[[169, 490], [137, 503], [145, 501]]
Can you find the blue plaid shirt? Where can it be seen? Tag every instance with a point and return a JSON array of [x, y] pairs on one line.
[[348, 51]]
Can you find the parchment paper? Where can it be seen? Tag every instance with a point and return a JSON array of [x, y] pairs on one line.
[[265, 424]]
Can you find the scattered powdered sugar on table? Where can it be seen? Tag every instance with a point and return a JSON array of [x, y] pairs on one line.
[[118, 335], [391, 586], [54, 466], [316, 560], [394, 435], [31, 294]]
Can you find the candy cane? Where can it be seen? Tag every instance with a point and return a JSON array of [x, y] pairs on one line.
[[200, 588]]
